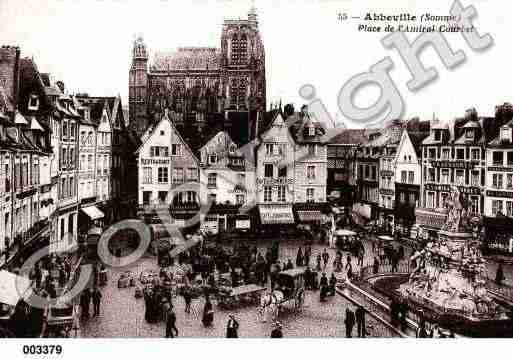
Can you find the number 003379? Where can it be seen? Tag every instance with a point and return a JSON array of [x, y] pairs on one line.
[[42, 349]]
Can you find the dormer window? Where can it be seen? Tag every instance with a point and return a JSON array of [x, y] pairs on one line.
[[469, 134], [311, 131], [232, 149], [213, 159], [438, 135], [33, 103], [505, 134]]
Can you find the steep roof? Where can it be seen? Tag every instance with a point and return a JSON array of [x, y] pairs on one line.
[[187, 58], [348, 137]]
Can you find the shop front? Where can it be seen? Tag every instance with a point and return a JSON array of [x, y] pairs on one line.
[[498, 235], [276, 220], [428, 222]]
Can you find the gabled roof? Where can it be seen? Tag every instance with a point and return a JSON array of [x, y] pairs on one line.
[[151, 131], [299, 125]]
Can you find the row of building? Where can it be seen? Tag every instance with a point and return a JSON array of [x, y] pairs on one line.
[[296, 171], [66, 161]]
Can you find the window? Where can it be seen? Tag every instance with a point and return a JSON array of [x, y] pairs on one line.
[[505, 134], [474, 179], [497, 180], [241, 178], [310, 195], [159, 151], [213, 197], [497, 158], [191, 197], [162, 196], [432, 153], [438, 135], [213, 159], [240, 199], [192, 174], [72, 129], [509, 157], [146, 197], [509, 181], [496, 207], [367, 172], [162, 133], [445, 176], [446, 154], [460, 153], [312, 149], [269, 149], [401, 197], [268, 194], [282, 172], [163, 175], [90, 162], [83, 163], [460, 177], [178, 175], [374, 173], [268, 170], [147, 175], [33, 102], [430, 201], [310, 172], [509, 209], [212, 180], [411, 177], [403, 176], [474, 154], [176, 149], [281, 193]]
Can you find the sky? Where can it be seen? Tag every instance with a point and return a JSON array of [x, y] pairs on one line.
[[87, 44]]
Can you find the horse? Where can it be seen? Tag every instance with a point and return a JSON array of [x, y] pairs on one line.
[[270, 303]]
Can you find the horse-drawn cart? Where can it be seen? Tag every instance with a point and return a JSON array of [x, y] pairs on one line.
[[290, 286], [229, 297]]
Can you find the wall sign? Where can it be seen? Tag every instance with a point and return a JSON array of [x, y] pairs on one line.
[[153, 161], [455, 164], [503, 194], [447, 188]]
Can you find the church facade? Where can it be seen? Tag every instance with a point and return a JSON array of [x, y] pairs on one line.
[[201, 88]]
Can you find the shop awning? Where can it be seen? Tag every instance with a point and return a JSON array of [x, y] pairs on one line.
[[93, 212], [310, 216], [275, 214]]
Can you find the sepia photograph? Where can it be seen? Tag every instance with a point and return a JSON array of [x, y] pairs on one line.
[[255, 169]]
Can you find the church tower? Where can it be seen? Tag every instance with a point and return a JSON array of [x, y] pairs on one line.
[[243, 60], [137, 88]]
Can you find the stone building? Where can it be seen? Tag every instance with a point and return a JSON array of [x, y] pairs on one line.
[[208, 88]]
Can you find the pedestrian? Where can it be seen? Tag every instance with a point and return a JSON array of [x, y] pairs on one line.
[[332, 284], [232, 327], [97, 298], [289, 265], [323, 287], [499, 276], [349, 322], [318, 259], [277, 332], [299, 258], [208, 313], [375, 266], [360, 321], [171, 330], [86, 297], [361, 255], [308, 253], [187, 297], [325, 257]]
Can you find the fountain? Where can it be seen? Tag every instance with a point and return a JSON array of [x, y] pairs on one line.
[[449, 278]]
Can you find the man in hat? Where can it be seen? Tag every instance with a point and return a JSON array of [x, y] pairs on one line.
[[277, 332], [171, 330], [232, 327]]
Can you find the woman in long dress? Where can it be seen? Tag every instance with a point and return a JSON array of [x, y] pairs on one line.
[[208, 313]]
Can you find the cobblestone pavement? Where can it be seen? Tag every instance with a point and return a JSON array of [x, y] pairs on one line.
[[123, 316]]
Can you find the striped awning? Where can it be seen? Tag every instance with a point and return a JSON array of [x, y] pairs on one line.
[[276, 214], [310, 216]]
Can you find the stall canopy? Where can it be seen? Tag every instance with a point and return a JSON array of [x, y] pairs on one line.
[[273, 214], [310, 216], [93, 212]]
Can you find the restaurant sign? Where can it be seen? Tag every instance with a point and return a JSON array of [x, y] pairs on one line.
[[503, 194], [454, 164], [274, 181], [447, 188], [500, 169], [154, 161]]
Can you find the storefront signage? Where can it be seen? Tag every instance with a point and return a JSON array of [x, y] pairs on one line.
[[387, 173], [503, 194], [210, 225], [386, 191], [275, 181], [86, 176], [454, 164], [447, 188], [501, 169], [154, 161]]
